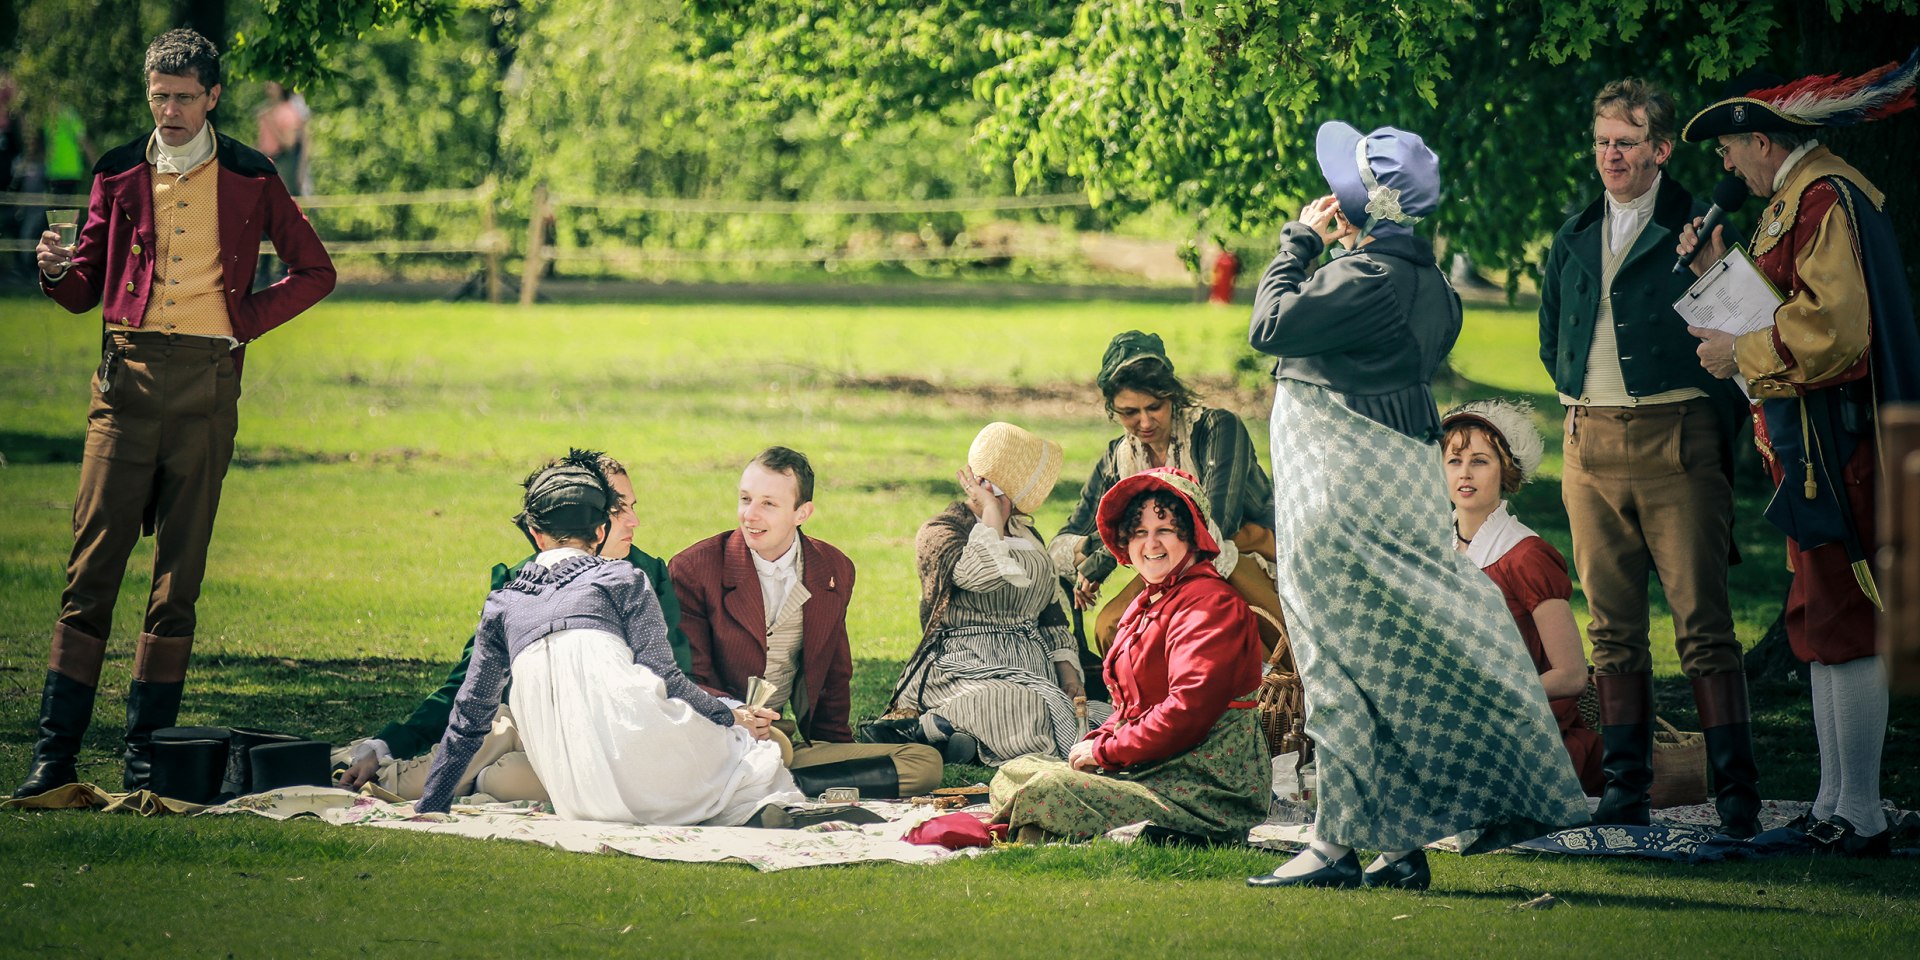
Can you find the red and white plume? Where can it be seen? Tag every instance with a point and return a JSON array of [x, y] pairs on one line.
[[1838, 101]]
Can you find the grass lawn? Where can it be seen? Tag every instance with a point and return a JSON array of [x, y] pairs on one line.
[[380, 446]]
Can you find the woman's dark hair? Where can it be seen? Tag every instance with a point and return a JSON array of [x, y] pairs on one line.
[[1166, 503], [178, 53], [1149, 375], [567, 519]]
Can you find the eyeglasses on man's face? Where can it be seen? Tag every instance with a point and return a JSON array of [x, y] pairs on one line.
[[1722, 147], [182, 100], [1601, 146]]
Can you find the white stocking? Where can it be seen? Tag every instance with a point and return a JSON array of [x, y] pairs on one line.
[[1305, 862], [1389, 856], [1827, 737], [1860, 724]]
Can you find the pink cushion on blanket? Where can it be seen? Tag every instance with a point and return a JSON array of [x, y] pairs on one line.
[[952, 831]]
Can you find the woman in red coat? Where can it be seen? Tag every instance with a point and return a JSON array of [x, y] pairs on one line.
[[1183, 748]]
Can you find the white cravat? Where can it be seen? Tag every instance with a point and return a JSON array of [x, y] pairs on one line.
[[1626, 218], [183, 158], [777, 577]]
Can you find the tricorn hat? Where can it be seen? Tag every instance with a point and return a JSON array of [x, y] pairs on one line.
[[1762, 103]]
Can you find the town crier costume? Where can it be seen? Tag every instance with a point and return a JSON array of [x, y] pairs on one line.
[[167, 250], [1843, 342]]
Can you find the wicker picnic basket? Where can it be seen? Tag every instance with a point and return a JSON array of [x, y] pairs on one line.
[[1679, 767], [1282, 700]]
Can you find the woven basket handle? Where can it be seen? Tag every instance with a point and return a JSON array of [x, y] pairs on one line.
[[1670, 727], [1282, 646]]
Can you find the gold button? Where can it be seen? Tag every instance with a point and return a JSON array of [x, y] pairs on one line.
[[136, 248], [129, 286]]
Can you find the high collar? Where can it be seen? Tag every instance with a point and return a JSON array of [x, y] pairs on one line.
[[1639, 206], [183, 158], [1793, 160], [781, 567], [1403, 245]]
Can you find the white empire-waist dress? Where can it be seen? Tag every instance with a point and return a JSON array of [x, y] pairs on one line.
[[612, 727]]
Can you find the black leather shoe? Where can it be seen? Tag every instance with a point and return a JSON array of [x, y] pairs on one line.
[[1839, 838], [1344, 872], [1407, 873]]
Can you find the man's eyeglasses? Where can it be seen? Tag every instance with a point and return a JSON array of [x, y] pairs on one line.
[[1600, 147], [177, 99], [1722, 148]]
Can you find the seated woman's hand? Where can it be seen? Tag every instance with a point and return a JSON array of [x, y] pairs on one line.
[[1069, 679], [757, 720], [1081, 757], [362, 771], [1086, 593]]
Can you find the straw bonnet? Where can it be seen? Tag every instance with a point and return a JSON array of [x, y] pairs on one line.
[[1021, 464], [1113, 508], [1512, 422]]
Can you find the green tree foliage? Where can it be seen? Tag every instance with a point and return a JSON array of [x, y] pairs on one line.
[[301, 42], [1210, 105]]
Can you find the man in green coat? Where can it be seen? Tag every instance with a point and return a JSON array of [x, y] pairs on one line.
[[1647, 479], [399, 756]]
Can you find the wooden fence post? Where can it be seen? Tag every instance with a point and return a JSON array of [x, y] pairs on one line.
[[536, 245], [490, 237], [1897, 563]]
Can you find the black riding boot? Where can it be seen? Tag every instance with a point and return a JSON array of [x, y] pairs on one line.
[[1722, 699], [875, 777], [150, 706], [1626, 734], [66, 707]]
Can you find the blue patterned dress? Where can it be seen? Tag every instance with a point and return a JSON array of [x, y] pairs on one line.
[[1427, 717]]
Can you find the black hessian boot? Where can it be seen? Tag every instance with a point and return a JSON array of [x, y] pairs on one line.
[[1722, 699], [1626, 734], [66, 707], [150, 706], [875, 777]]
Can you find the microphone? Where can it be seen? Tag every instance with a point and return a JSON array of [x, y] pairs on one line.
[[1728, 195]]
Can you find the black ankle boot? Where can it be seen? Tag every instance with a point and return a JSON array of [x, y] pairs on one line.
[[1722, 699], [875, 777], [1626, 735], [66, 707], [150, 706]]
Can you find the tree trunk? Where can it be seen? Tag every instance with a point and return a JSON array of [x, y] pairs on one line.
[[206, 17]]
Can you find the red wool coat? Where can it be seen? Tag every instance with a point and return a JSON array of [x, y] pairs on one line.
[[1175, 667], [725, 620], [114, 259]]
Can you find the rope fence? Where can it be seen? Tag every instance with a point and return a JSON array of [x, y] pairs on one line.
[[492, 244]]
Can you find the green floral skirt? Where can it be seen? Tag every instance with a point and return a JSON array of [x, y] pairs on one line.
[[1218, 789]]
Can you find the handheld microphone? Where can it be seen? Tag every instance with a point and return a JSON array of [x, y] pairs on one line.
[[1728, 195]]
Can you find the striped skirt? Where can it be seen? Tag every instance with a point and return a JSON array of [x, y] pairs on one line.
[[997, 683]]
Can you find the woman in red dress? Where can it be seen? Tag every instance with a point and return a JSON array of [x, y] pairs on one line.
[[1491, 448]]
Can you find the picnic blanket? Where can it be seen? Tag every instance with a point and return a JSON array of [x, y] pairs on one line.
[[1680, 834], [765, 850]]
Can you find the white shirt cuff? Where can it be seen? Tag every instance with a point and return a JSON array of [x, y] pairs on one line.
[[372, 747], [997, 549]]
